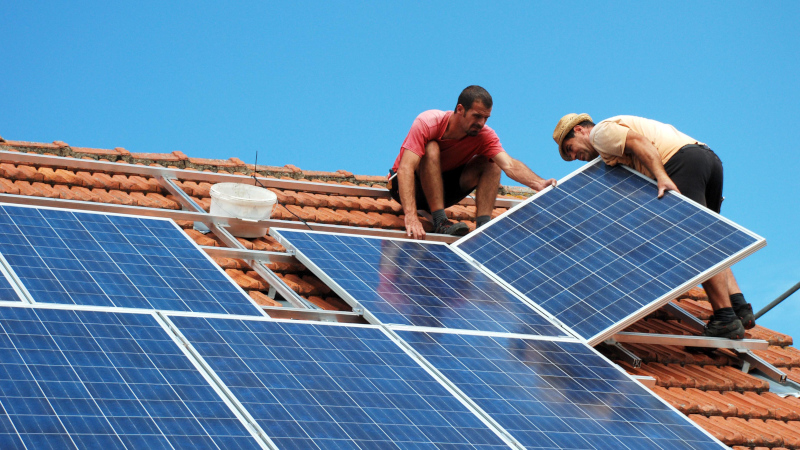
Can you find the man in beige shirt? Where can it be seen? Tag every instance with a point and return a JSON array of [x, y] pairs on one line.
[[678, 163]]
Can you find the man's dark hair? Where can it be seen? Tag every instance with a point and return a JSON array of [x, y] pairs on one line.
[[571, 134], [472, 93]]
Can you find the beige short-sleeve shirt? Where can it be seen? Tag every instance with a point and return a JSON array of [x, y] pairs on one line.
[[608, 138]]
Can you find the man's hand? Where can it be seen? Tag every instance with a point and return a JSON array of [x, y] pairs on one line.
[[544, 184], [666, 184], [414, 228]]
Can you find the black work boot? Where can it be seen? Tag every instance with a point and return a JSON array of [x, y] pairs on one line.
[[452, 228], [717, 328], [745, 314]]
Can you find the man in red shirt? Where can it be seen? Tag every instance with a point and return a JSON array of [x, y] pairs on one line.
[[448, 154]]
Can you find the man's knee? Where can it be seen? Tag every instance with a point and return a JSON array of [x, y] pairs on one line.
[[431, 152], [484, 166]]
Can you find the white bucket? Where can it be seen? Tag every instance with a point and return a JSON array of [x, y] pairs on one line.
[[243, 201]]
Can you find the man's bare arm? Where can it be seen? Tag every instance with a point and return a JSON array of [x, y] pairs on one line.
[[644, 150], [520, 173], [407, 190]]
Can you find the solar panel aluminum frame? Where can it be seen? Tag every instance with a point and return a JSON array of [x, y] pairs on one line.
[[14, 281], [231, 402], [26, 295], [358, 307], [405, 347], [547, 339], [601, 336]]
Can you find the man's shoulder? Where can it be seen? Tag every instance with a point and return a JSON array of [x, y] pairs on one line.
[[432, 117]]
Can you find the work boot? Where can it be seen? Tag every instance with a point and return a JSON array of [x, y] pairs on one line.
[[718, 328], [745, 313], [452, 228]]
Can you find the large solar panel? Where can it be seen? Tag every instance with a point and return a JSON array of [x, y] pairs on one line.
[[333, 386], [414, 283], [600, 251], [83, 379], [108, 260], [557, 394]]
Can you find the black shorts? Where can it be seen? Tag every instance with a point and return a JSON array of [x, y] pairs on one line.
[[451, 181], [697, 171]]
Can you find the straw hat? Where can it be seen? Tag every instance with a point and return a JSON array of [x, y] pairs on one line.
[[564, 126]]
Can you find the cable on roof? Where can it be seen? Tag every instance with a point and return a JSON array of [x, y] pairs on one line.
[[256, 181]]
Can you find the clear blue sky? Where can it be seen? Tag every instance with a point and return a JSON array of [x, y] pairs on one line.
[[335, 85]]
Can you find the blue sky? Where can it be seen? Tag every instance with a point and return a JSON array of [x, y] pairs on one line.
[[335, 85]]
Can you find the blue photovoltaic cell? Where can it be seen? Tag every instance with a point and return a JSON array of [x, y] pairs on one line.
[[103, 260], [104, 380], [601, 246], [328, 386], [417, 283], [6, 291], [557, 394]]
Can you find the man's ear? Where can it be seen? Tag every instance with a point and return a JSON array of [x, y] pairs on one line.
[[460, 109]]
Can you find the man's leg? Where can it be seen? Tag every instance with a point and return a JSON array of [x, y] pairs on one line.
[[484, 174], [724, 323], [697, 171], [743, 309], [430, 177]]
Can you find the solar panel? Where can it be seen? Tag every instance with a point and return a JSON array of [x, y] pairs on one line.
[[600, 251], [104, 380], [414, 283], [333, 386], [107, 260], [551, 394]]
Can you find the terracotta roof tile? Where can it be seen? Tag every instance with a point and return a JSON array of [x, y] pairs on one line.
[[721, 431], [122, 197], [108, 182], [8, 187], [263, 299], [98, 152], [780, 356], [755, 432]]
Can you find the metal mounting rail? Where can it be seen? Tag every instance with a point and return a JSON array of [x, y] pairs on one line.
[[320, 315], [685, 317], [623, 353], [211, 177], [752, 361], [209, 219], [253, 255], [688, 341]]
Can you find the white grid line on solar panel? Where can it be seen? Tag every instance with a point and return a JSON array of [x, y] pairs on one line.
[[557, 394], [581, 316], [314, 385], [414, 283], [70, 257], [99, 379]]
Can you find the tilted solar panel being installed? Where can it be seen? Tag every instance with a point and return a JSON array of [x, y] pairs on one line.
[[333, 386], [550, 394], [416, 283], [84, 379], [600, 250], [84, 258]]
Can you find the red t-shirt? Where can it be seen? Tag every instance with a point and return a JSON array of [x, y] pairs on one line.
[[431, 125]]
